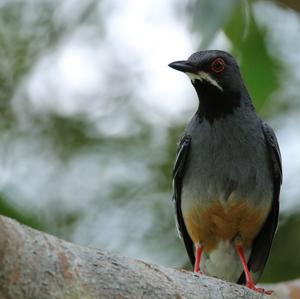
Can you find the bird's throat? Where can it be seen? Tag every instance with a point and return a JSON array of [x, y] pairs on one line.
[[214, 103]]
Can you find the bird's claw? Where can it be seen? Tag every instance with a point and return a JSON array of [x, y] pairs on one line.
[[260, 290]]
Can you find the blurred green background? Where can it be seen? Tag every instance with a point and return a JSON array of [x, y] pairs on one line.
[[90, 114]]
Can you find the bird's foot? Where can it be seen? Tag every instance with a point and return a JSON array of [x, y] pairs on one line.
[[199, 272], [259, 290]]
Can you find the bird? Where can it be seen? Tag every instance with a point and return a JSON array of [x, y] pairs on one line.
[[227, 174]]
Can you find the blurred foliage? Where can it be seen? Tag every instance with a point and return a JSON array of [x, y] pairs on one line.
[[284, 262], [207, 17], [260, 70], [24, 36], [295, 5], [102, 176], [31, 219]]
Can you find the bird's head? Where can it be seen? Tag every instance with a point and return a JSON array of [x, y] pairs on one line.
[[216, 77]]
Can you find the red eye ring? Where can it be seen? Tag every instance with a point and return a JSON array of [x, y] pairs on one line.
[[218, 65]]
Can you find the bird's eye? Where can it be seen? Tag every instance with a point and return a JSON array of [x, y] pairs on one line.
[[218, 65]]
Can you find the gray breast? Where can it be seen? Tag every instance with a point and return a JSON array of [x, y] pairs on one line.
[[227, 157]]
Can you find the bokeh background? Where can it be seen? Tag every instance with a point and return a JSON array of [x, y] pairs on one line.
[[90, 114]]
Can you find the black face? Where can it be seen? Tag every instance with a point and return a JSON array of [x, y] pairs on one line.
[[221, 66], [217, 80]]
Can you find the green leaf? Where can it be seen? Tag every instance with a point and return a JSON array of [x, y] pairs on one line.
[[208, 17], [259, 69]]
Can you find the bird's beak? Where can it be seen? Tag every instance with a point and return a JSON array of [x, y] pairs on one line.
[[193, 73], [183, 66]]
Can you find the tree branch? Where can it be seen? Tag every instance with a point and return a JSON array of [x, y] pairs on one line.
[[35, 265]]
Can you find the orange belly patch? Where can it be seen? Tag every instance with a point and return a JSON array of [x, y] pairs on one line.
[[218, 222]]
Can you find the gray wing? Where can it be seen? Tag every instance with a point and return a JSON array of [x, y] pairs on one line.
[[178, 173], [263, 241]]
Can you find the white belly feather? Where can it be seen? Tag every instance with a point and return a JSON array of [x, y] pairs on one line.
[[223, 262]]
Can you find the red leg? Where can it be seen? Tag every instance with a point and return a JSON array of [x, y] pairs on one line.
[[198, 253], [249, 282]]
